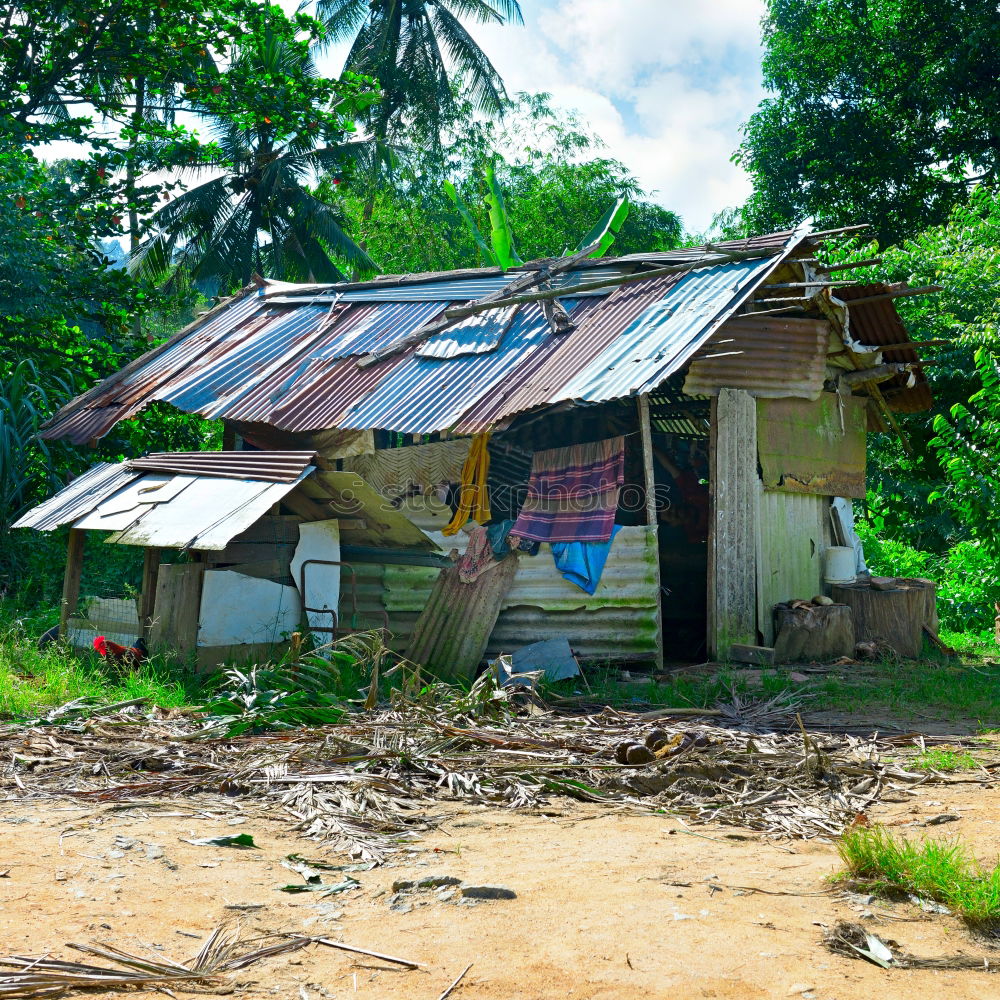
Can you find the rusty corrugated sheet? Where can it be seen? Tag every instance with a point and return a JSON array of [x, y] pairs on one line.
[[813, 446], [873, 323], [533, 383], [269, 466], [292, 365], [81, 495], [423, 395], [768, 356], [451, 634], [660, 340]]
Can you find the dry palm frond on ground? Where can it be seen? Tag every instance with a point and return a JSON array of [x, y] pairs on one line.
[[225, 951], [374, 781]]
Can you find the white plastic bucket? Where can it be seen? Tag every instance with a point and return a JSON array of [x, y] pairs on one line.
[[840, 564]]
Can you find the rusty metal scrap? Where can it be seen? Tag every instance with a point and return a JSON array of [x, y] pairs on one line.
[[813, 446]]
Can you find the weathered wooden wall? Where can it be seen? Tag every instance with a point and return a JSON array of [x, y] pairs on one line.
[[735, 490], [813, 446]]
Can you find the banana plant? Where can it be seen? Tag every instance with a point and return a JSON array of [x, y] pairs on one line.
[[499, 249]]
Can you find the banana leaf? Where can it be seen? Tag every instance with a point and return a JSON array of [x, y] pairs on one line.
[[606, 228], [463, 210], [500, 235]]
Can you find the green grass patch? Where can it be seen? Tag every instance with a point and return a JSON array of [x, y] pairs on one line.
[[942, 870], [33, 680], [945, 759]]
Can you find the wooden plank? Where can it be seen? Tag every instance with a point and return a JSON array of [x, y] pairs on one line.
[[815, 447], [763, 655], [239, 552], [147, 600], [352, 497], [649, 474], [178, 603], [732, 544], [272, 528], [71, 577], [264, 569], [450, 636], [298, 502]]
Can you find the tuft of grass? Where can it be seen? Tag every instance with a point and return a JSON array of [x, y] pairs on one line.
[[33, 680], [941, 870], [945, 759]]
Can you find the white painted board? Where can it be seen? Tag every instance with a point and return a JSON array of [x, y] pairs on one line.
[[238, 610], [319, 540]]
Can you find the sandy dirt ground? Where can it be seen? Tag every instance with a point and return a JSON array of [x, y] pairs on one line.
[[609, 904]]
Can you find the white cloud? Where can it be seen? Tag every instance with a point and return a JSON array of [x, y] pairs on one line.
[[665, 83]]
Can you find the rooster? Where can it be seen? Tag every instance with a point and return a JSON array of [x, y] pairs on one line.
[[128, 656]]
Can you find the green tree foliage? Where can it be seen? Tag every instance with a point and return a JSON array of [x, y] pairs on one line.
[[964, 257], [882, 112], [555, 181]]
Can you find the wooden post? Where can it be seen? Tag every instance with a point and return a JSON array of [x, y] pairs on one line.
[[646, 434], [732, 593], [71, 578], [147, 599]]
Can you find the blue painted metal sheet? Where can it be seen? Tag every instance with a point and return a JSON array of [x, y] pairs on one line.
[[423, 395], [660, 340], [386, 324], [475, 335]]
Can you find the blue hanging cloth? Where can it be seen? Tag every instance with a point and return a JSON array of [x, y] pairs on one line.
[[582, 563]]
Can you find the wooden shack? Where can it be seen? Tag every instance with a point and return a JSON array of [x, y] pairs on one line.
[[741, 380]]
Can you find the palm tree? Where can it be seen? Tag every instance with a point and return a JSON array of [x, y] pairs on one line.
[[259, 216], [406, 46]]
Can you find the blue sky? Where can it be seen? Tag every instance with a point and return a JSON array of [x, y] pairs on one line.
[[665, 83]]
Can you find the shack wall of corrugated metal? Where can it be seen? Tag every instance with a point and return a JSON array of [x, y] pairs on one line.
[[772, 357], [793, 533], [617, 622]]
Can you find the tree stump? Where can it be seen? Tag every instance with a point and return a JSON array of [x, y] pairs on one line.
[[894, 610], [814, 633]]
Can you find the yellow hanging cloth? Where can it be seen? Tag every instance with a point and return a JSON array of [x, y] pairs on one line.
[[473, 497]]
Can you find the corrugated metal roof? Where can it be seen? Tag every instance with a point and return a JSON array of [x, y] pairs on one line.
[[267, 466], [80, 496], [294, 367], [769, 355], [659, 341], [162, 509], [873, 323], [423, 395], [461, 289], [207, 513], [533, 383]]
